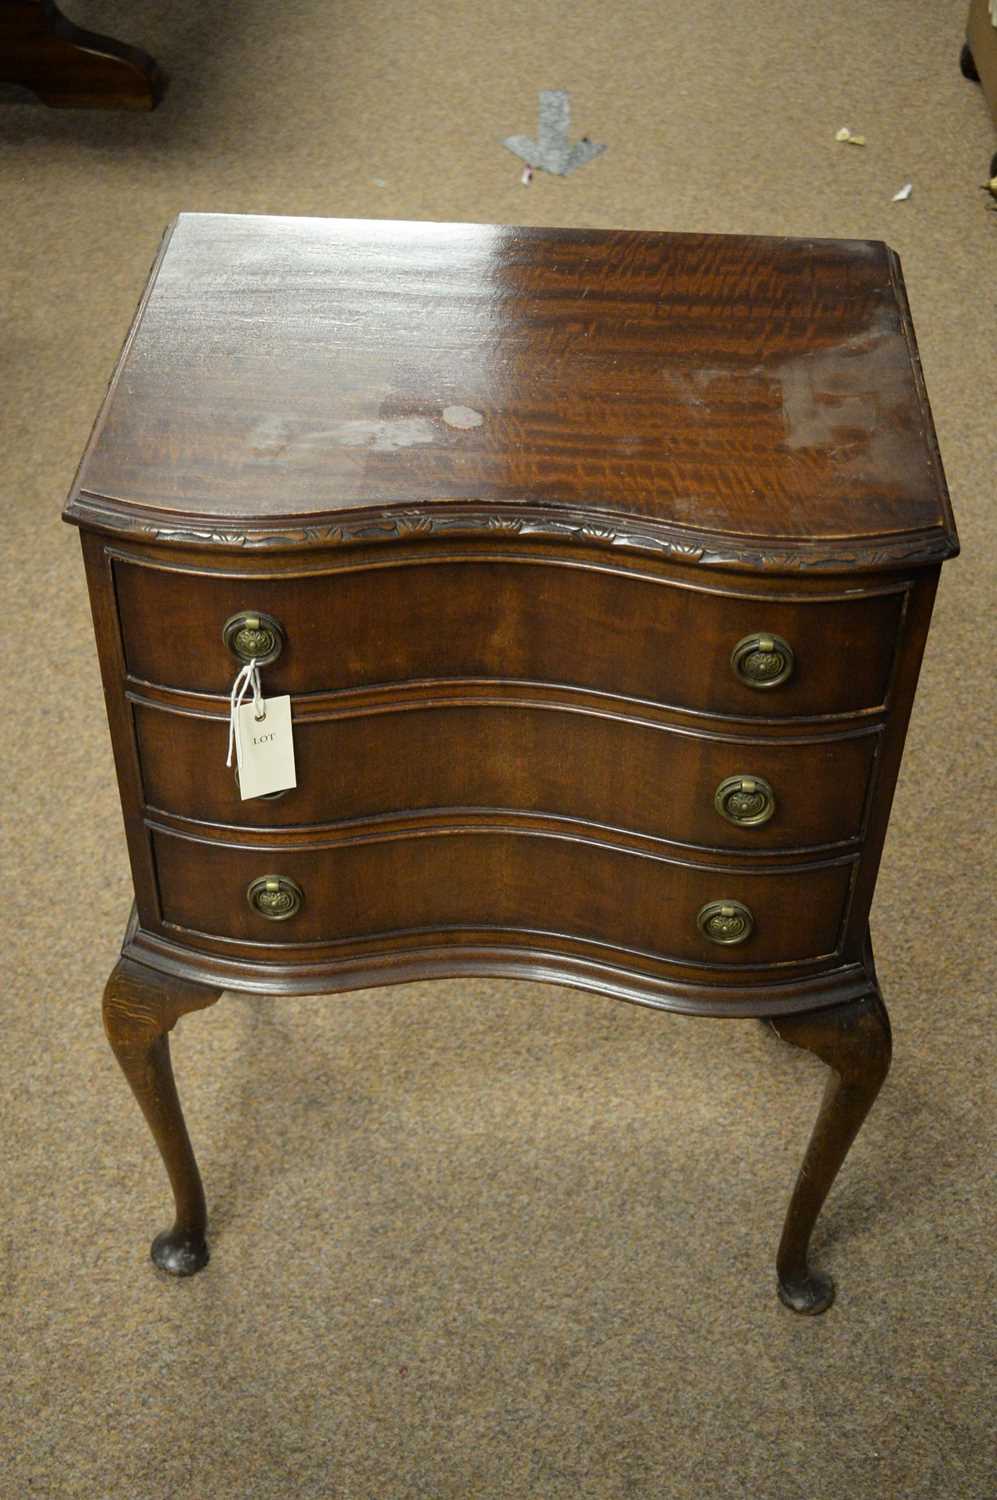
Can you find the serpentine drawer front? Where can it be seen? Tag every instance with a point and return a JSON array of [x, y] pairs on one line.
[[689, 647], [444, 880], [684, 785], [598, 568]]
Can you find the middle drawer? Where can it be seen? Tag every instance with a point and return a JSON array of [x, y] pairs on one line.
[[687, 787]]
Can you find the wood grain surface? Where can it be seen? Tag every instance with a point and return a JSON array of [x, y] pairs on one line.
[[534, 620], [550, 760], [442, 881], [758, 389]]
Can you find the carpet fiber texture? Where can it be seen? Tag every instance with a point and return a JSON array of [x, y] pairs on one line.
[[489, 1239]]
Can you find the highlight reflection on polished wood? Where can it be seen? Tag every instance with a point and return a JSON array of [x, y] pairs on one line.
[[598, 566]]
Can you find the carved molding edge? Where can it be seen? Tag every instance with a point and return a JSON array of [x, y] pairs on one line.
[[580, 528]]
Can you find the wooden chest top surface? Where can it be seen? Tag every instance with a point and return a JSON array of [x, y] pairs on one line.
[[759, 397]]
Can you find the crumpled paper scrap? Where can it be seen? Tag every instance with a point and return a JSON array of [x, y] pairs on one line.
[[551, 151]]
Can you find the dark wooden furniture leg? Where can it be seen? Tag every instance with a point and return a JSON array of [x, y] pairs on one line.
[[141, 1007], [70, 68], [854, 1041]]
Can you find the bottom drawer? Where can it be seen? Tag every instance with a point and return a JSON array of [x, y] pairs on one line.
[[509, 881]]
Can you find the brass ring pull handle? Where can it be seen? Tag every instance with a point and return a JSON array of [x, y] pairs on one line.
[[747, 801], [725, 922], [275, 897], [762, 661], [252, 633]]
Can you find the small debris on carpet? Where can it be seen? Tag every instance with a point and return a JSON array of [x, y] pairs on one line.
[[551, 151]]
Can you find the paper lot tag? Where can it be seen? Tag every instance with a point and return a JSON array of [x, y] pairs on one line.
[[265, 748]]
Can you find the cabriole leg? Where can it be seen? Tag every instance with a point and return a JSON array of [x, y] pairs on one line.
[[141, 1007], [854, 1041]]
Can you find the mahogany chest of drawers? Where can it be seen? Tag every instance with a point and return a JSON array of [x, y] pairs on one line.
[[598, 568]]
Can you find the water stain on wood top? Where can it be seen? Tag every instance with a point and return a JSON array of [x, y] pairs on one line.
[[296, 367]]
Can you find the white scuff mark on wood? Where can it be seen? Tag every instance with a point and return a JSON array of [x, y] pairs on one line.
[[274, 439], [462, 417]]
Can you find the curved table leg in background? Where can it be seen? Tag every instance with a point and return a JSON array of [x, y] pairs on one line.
[[140, 1009], [854, 1041], [70, 68]]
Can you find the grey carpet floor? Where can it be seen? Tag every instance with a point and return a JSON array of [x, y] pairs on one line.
[[489, 1239]]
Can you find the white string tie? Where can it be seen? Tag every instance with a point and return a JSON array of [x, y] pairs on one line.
[[246, 679]]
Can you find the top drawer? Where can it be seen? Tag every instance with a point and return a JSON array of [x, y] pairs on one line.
[[574, 626]]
